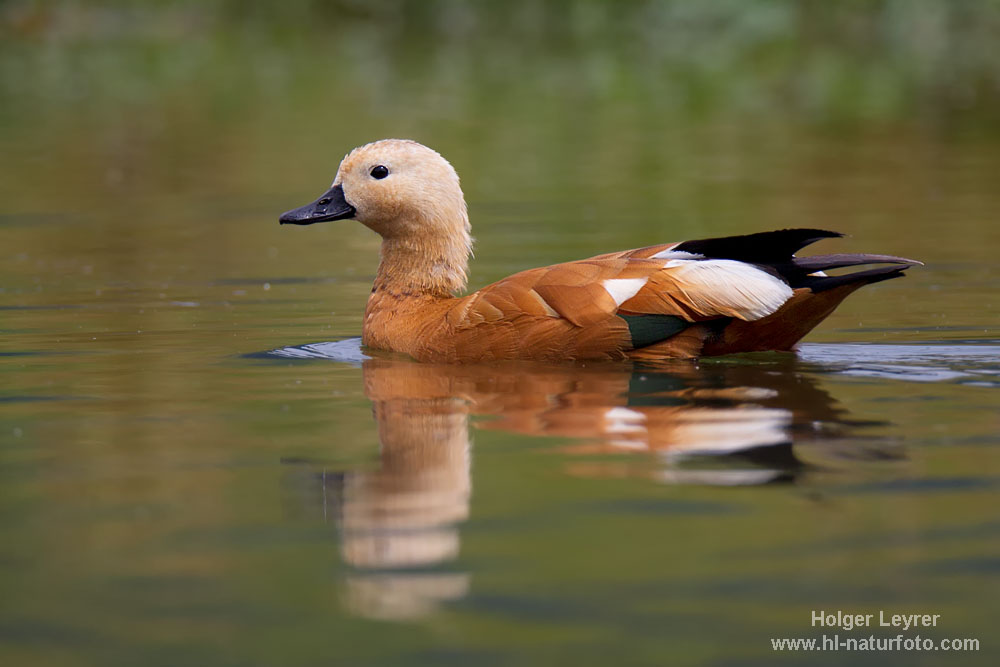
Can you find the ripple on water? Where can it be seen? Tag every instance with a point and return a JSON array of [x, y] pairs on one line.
[[972, 364], [346, 351]]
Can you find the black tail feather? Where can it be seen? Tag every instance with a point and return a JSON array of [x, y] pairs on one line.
[[798, 270], [759, 248], [823, 283]]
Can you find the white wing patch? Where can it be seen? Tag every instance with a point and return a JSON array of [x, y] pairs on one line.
[[725, 286], [623, 289], [676, 254]]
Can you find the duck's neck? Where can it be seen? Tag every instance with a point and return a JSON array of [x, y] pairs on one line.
[[415, 265]]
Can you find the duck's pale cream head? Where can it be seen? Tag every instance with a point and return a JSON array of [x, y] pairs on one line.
[[410, 195]]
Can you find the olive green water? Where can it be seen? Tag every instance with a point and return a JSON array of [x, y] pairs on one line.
[[191, 475]]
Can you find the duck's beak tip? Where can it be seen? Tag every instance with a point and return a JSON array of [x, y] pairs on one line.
[[331, 206]]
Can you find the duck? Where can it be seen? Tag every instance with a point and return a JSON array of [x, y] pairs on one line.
[[681, 300]]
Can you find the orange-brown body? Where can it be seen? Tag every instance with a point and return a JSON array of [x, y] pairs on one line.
[[508, 320]]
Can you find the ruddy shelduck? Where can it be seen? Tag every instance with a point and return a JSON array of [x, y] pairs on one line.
[[689, 299]]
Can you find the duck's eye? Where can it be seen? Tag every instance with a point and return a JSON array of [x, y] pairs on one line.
[[379, 172]]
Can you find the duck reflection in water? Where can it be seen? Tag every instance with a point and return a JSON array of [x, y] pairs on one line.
[[402, 519], [721, 423]]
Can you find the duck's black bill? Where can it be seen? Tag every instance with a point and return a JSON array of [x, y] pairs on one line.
[[331, 206]]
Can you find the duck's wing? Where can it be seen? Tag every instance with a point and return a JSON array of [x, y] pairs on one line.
[[677, 279], [647, 296], [609, 305]]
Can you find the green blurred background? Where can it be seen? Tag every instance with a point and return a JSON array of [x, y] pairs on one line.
[[146, 150], [673, 117]]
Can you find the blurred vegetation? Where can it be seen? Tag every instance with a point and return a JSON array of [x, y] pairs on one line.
[[924, 61]]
